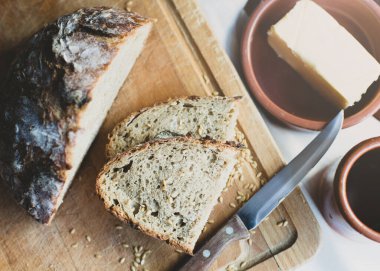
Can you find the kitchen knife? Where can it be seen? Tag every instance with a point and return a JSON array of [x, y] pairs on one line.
[[267, 198]]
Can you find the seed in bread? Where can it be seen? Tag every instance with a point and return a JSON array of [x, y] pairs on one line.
[[195, 172], [200, 117]]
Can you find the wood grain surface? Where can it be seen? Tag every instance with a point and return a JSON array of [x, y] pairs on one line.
[[181, 57]]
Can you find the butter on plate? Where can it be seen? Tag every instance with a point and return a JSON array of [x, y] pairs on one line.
[[326, 55]]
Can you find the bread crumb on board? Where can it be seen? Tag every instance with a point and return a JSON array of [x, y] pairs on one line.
[[206, 80], [282, 223], [140, 254], [204, 229], [128, 5], [243, 264], [125, 245], [75, 245]]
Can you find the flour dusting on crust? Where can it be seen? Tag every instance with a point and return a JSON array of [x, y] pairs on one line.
[[48, 85]]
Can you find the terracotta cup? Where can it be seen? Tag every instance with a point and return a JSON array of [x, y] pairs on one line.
[[350, 193]]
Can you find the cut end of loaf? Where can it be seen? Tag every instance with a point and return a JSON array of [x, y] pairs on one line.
[[200, 117], [102, 97], [168, 188], [58, 91]]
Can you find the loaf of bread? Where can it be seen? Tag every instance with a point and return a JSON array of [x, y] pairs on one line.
[[199, 117], [56, 96], [168, 188]]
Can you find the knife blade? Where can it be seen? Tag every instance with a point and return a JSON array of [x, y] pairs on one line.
[[267, 198]]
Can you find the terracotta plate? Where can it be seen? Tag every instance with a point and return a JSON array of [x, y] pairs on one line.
[[280, 90]]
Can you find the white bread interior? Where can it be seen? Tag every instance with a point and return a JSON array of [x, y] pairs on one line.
[[103, 95]]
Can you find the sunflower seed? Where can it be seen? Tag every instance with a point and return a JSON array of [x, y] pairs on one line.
[[243, 264], [254, 164], [205, 78], [282, 223]]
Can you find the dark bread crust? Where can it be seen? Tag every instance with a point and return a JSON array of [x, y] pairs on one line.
[[49, 85], [118, 212]]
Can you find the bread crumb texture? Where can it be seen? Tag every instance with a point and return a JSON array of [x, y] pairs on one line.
[[168, 188], [199, 117]]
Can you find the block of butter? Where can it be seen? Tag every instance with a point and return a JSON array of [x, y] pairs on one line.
[[326, 55]]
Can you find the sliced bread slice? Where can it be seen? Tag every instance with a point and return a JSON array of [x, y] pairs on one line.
[[168, 188], [200, 117]]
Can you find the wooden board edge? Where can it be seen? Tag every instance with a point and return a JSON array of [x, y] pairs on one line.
[[295, 203], [218, 64]]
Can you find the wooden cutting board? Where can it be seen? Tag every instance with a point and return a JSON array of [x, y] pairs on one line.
[[182, 57]]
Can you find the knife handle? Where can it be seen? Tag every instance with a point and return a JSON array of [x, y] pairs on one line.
[[233, 230]]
